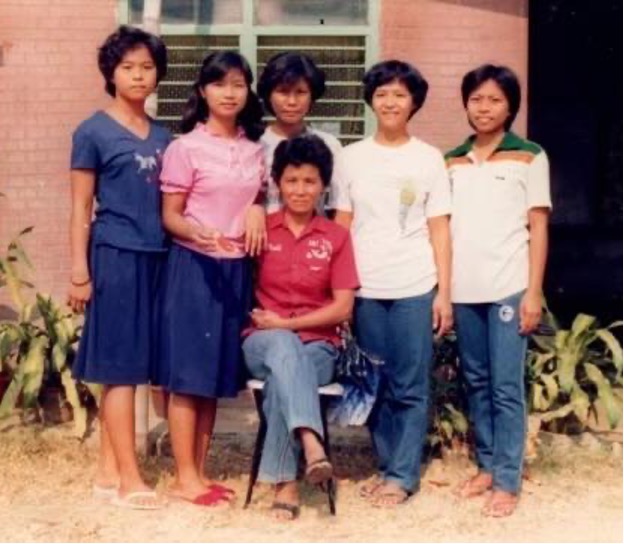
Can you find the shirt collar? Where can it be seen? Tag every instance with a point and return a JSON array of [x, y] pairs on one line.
[[317, 223], [510, 142], [240, 133]]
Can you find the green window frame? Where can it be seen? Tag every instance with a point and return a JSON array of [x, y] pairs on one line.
[[344, 52]]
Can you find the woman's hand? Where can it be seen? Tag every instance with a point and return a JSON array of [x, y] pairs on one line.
[[530, 312], [78, 296], [442, 314], [255, 230], [265, 319], [206, 238]]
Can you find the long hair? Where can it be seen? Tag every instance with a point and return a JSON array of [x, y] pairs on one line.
[[214, 68]]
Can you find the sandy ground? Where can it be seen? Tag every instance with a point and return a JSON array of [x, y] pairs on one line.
[[574, 494]]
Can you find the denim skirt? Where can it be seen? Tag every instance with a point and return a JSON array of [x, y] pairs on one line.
[[118, 342], [204, 307]]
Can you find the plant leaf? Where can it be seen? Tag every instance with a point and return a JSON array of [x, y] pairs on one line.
[[458, 420], [79, 411], [552, 388], [34, 366], [605, 393], [614, 347], [9, 400], [559, 413], [582, 324], [580, 403]]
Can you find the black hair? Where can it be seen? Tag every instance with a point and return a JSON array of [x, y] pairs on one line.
[[214, 68], [286, 69], [300, 150], [388, 71], [504, 77], [127, 38]]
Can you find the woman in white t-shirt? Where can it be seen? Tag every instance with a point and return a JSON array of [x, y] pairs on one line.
[[288, 86], [393, 192], [501, 203]]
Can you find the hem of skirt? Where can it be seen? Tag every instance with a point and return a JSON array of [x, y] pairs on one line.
[[269, 479], [102, 380], [211, 394]]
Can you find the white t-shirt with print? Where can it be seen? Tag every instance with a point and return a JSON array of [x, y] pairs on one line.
[[270, 140], [392, 191], [489, 220]]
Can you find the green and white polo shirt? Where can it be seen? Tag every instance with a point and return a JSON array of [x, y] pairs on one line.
[[489, 220]]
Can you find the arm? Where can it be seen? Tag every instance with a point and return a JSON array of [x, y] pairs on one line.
[[82, 192], [175, 223], [531, 304], [255, 229], [439, 233], [334, 313]]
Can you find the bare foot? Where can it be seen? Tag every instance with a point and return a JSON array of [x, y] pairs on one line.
[[389, 494], [500, 505], [286, 503], [475, 486], [213, 484], [188, 490], [371, 487]]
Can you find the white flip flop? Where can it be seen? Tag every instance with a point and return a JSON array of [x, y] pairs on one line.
[[103, 493], [129, 501]]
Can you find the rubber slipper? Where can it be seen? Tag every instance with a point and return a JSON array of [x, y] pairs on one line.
[[292, 509], [319, 471], [214, 497], [104, 493], [222, 489], [130, 501]]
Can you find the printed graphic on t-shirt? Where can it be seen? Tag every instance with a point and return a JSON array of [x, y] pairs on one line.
[[319, 249], [406, 201], [151, 164]]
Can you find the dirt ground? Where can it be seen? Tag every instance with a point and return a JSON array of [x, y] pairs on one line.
[[573, 494]]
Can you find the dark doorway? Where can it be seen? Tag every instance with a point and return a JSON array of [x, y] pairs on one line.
[[575, 113]]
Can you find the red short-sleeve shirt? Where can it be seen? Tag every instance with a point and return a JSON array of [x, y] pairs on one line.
[[297, 275]]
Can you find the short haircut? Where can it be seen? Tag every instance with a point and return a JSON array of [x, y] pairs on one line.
[[300, 150], [127, 38], [504, 77], [286, 69], [388, 71]]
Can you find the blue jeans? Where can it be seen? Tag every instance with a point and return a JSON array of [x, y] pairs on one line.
[[399, 332], [492, 354], [292, 372]]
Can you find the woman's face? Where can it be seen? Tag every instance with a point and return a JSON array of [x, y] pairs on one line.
[[393, 105], [487, 108], [226, 97], [135, 76], [300, 188], [291, 103]]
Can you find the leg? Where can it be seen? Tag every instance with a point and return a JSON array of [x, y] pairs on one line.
[[118, 409], [472, 340], [259, 445], [206, 416], [290, 398], [408, 369], [183, 418], [371, 328], [107, 476], [507, 354]]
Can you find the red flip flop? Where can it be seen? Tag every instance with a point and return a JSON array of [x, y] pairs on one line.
[[222, 489]]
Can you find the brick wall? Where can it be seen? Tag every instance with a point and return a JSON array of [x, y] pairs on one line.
[[49, 81], [447, 38]]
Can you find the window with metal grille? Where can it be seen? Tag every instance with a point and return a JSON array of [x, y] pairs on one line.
[[340, 36]]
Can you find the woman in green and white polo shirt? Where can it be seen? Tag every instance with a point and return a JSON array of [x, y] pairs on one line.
[[501, 203]]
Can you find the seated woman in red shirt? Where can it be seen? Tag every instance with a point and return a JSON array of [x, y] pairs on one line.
[[305, 288]]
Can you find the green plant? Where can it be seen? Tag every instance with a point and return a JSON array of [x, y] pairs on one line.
[[38, 344], [572, 372], [449, 425]]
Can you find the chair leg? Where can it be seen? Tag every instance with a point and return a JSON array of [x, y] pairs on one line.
[[331, 484], [257, 454]]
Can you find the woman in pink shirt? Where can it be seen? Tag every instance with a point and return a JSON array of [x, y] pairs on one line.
[[211, 177]]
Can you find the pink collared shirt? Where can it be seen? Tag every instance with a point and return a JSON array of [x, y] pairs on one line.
[[221, 177]]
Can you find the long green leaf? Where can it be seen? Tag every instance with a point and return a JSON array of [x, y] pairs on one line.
[[582, 324], [9, 400], [537, 398], [79, 411], [34, 366], [614, 347], [580, 403], [559, 413], [458, 420], [605, 393]]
